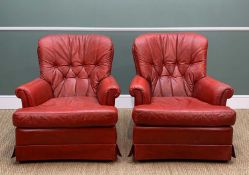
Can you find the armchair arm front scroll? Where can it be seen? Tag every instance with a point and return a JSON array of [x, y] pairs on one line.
[[212, 91], [34, 93], [141, 90], [107, 91]]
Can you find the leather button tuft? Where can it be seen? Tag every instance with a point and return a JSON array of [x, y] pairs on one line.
[[74, 61]]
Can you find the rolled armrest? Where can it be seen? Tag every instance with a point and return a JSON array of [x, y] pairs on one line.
[[212, 91], [108, 90], [141, 90], [34, 93]]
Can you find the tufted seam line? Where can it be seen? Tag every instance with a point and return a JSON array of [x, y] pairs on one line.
[[75, 86], [90, 84], [192, 54], [162, 46], [53, 78], [97, 48], [198, 62], [171, 86], [171, 76], [158, 73], [69, 51], [151, 83], [151, 56], [50, 50], [56, 53], [76, 75], [176, 54], [63, 82], [187, 85], [85, 44], [67, 72], [47, 62], [177, 37], [88, 87]]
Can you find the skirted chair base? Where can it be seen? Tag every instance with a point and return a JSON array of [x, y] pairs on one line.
[[180, 112], [69, 111], [66, 128], [66, 144], [190, 143], [182, 128]]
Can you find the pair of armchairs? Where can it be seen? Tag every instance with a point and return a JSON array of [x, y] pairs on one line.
[[69, 113]]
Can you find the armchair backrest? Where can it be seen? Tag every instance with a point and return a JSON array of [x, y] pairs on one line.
[[171, 62], [75, 64]]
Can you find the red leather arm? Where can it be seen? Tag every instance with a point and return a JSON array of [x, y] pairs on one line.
[[107, 91], [34, 93], [140, 89], [212, 91]]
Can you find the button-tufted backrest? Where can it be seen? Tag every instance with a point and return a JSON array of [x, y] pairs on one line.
[[172, 62], [75, 64]]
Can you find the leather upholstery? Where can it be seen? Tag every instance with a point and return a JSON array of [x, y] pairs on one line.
[[212, 91], [60, 136], [74, 65], [66, 112], [171, 63], [140, 89], [182, 111], [69, 113], [183, 135], [66, 143], [181, 151], [67, 152], [107, 91], [34, 93]]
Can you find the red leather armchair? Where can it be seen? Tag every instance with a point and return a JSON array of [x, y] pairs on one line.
[[180, 112], [69, 113]]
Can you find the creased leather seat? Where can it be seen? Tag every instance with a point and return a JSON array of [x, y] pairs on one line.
[[72, 100], [180, 112], [66, 112]]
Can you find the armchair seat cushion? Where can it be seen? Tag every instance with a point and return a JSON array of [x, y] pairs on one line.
[[66, 112], [182, 111]]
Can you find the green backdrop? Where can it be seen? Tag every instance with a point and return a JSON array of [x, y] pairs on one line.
[[228, 54]]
